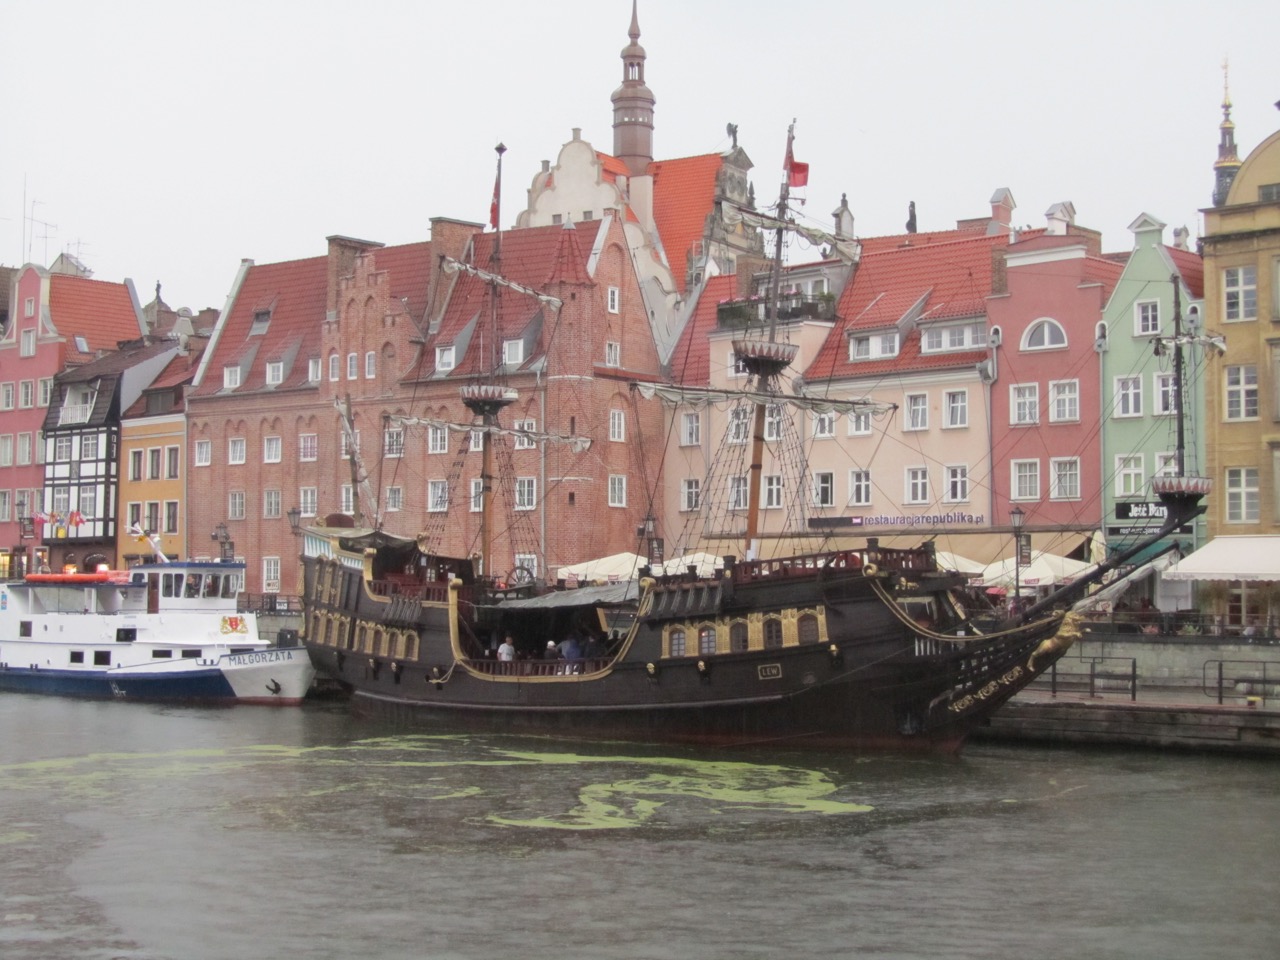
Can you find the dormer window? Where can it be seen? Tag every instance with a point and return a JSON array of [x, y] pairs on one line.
[[513, 352], [230, 378], [444, 358], [877, 347], [261, 320], [313, 369], [275, 373], [82, 343], [953, 337]]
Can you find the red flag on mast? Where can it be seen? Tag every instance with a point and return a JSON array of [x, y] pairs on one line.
[[493, 205], [797, 172]]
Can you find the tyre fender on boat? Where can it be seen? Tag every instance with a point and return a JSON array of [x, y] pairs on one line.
[[870, 570]]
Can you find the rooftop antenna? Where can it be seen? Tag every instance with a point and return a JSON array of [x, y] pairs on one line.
[[45, 236]]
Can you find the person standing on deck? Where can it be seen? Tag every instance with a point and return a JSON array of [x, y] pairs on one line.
[[507, 652]]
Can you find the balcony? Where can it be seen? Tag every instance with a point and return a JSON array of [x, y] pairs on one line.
[[749, 311], [75, 413]]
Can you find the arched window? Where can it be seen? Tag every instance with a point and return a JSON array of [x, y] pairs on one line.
[[707, 641], [1044, 334], [738, 642], [675, 643], [808, 628], [772, 634]]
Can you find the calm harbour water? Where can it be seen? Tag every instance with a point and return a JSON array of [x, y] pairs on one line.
[[166, 833]]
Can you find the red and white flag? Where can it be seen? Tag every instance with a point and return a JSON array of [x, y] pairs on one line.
[[797, 172], [493, 205]]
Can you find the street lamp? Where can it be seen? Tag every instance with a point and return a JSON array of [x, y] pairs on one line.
[[295, 520], [1017, 517], [226, 546]]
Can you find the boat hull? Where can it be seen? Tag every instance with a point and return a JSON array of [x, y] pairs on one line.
[[278, 676]]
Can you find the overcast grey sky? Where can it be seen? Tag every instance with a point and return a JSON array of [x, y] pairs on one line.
[[169, 140]]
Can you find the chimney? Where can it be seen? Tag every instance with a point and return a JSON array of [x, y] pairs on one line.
[[1059, 218], [999, 271], [1002, 207]]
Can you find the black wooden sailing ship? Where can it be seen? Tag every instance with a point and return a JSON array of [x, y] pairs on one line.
[[862, 648]]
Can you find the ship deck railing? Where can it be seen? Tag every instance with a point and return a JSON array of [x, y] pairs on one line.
[[406, 585], [539, 668], [811, 565]]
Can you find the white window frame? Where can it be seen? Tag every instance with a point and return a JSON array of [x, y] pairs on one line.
[[477, 495], [314, 369], [26, 394], [957, 483], [917, 408], [612, 353], [860, 489], [230, 377], [437, 439], [272, 449], [691, 429], [617, 426], [617, 490], [353, 366], [445, 358], [1064, 401], [690, 494], [1053, 334], [522, 440], [308, 447], [613, 299], [1240, 293], [308, 501], [824, 425], [1240, 387], [771, 492], [394, 499], [335, 367], [370, 365], [1128, 394], [824, 488], [1059, 467], [202, 455], [1242, 502], [916, 485], [1162, 394], [271, 504], [393, 442], [513, 352], [1024, 404], [1024, 480], [275, 373], [236, 450], [859, 424], [27, 346], [955, 414], [270, 574], [235, 505], [1146, 318], [1131, 475], [437, 496], [526, 493], [739, 425]]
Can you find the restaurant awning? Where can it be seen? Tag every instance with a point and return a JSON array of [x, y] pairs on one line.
[[1231, 558]]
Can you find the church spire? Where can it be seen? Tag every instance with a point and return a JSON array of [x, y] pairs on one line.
[[1228, 163], [633, 106]]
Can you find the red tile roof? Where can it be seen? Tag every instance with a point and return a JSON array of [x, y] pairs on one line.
[[101, 312], [951, 279], [684, 193], [1191, 267], [532, 257], [613, 167], [691, 360]]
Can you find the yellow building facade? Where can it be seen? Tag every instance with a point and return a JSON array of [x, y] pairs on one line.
[[152, 488], [1242, 303]]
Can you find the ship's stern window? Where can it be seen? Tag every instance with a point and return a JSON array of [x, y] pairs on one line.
[[675, 643], [772, 634], [807, 627], [738, 642]]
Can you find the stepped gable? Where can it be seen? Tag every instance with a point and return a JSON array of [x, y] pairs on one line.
[[409, 270], [529, 258], [684, 194], [101, 312], [691, 359], [945, 280]]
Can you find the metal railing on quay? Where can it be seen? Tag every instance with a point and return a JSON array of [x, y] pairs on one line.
[[1257, 686], [1091, 675], [268, 603]]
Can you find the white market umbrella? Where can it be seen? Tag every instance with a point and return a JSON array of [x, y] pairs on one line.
[[617, 566], [706, 563], [1044, 570], [953, 561]]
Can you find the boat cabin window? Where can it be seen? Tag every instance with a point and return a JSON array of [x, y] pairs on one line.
[[24, 628], [126, 634], [189, 653], [77, 656], [676, 642], [772, 634], [161, 654], [808, 628], [102, 658]]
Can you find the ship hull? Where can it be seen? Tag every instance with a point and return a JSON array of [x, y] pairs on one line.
[[848, 668]]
